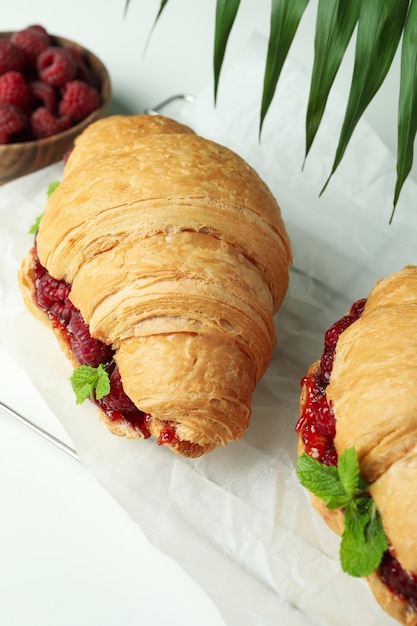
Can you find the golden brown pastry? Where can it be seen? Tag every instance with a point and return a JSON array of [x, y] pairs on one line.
[[176, 255], [369, 379]]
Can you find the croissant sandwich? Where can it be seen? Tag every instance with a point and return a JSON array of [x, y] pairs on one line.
[[159, 263], [360, 400]]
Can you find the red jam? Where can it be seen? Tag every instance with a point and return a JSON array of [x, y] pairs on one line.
[[317, 429], [53, 297], [316, 425], [399, 581], [168, 434]]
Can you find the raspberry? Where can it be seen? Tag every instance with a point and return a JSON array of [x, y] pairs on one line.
[[76, 54], [11, 57], [62, 310], [41, 30], [12, 121], [32, 40], [84, 72], [117, 400], [56, 66], [52, 296], [15, 90], [43, 95], [43, 123], [78, 100], [87, 350], [38, 270], [53, 85], [50, 290]]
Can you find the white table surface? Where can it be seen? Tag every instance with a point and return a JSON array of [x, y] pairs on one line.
[[70, 555]]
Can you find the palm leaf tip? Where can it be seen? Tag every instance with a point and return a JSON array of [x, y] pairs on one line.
[[285, 19], [407, 103], [380, 25], [226, 11], [335, 23]]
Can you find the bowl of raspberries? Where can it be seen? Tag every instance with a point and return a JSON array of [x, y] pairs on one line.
[[51, 88]]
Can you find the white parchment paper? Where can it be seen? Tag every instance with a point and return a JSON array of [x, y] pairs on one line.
[[237, 520]]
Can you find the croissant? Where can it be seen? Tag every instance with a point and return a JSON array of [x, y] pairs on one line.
[[165, 258], [366, 377]]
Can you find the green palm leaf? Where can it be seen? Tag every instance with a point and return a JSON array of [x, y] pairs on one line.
[[407, 106], [285, 18], [226, 11], [161, 8], [162, 5], [380, 26], [336, 20], [126, 7]]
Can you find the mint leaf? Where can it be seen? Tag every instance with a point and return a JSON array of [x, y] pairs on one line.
[[375, 534], [90, 382], [52, 187], [103, 383], [348, 468], [363, 540], [35, 226], [337, 502], [322, 480]]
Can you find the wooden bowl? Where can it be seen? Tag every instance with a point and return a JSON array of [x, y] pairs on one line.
[[18, 159]]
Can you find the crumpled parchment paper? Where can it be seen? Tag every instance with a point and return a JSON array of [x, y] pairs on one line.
[[237, 520]]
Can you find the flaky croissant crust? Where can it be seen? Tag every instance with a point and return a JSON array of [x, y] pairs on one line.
[[373, 394], [178, 257]]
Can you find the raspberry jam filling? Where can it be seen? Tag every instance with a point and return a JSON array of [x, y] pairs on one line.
[[316, 425], [53, 297], [398, 581], [317, 428]]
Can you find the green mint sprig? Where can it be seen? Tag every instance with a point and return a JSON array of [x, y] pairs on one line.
[[90, 382], [363, 540], [35, 226], [52, 187]]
